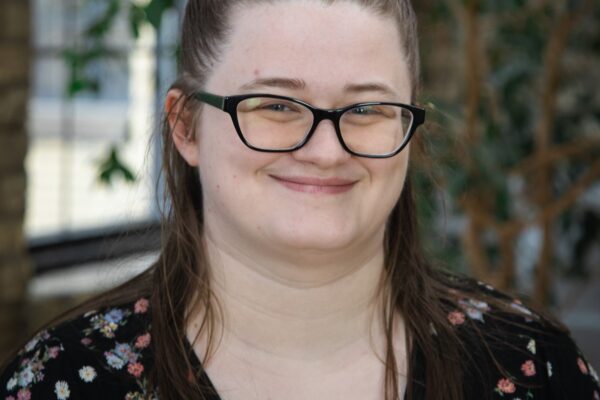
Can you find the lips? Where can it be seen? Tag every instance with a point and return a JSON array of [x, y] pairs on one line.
[[315, 185]]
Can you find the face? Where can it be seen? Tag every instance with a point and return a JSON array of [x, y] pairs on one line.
[[318, 198]]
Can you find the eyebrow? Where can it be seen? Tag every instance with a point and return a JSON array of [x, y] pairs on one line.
[[285, 83], [298, 84], [369, 87]]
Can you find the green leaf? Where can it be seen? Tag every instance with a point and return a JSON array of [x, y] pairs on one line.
[[503, 202], [78, 85], [155, 9], [112, 168], [78, 61], [103, 24], [137, 17]]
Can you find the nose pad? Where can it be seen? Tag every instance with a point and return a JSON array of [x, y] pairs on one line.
[[323, 147]]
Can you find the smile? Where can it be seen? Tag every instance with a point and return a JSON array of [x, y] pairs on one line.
[[315, 185]]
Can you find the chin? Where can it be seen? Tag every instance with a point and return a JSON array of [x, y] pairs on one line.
[[316, 241]]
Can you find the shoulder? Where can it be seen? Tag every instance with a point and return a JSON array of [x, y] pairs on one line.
[[101, 354], [516, 352]]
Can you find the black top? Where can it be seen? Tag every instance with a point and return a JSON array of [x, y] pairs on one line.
[[106, 354]]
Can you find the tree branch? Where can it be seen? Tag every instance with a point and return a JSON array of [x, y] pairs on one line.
[[576, 148]]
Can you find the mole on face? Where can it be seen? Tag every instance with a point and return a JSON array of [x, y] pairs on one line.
[[256, 73]]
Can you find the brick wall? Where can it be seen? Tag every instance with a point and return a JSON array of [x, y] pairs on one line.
[[15, 57]]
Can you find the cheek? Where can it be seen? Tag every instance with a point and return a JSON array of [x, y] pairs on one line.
[[389, 174], [227, 168], [219, 148], [388, 181], [215, 134], [215, 140]]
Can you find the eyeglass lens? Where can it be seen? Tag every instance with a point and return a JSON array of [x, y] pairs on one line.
[[279, 124]]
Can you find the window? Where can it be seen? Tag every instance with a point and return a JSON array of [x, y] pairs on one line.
[[70, 136]]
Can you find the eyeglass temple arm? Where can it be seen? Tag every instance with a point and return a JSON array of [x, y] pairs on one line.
[[212, 99]]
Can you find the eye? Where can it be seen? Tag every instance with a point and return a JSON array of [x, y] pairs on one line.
[[268, 105], [277, 107], [364, 110]]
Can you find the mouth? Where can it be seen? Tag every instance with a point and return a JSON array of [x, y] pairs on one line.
[[314, 185]]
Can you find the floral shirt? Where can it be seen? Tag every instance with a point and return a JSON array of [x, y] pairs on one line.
[[101, 355], [515, 356], [106, 354]]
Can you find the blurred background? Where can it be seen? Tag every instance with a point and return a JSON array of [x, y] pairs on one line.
[[507, 167]]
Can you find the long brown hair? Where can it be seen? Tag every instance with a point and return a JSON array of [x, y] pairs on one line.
[[415, 290]]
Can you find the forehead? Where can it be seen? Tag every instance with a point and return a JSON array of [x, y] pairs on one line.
[[326, 46]]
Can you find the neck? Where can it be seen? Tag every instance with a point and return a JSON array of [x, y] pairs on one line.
[[295, 313]]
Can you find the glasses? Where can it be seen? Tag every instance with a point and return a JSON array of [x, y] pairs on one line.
[[272, 123]]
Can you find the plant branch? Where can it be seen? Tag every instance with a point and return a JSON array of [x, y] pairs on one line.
[[543, 137], [576, 148]]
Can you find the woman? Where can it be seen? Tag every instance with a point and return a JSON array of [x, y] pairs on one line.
[[290, 267]]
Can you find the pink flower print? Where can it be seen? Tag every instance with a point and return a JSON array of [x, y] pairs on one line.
[[86, 341], [24, 394], [135, 369], [528, 368], [506, 386], [142, 341], [141, 306], [456, 318], [53, 351], [582, 367]]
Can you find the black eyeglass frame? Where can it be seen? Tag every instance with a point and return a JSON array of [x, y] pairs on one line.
[[229, 105]]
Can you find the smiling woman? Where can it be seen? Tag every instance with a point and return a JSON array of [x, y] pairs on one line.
[[290, 266]]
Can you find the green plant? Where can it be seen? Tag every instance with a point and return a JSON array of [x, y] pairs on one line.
[[92, 47], [516, 133]]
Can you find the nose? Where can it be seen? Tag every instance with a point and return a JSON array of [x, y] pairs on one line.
[[323, 148]]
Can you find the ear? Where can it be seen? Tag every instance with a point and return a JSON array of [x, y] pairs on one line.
[[180, 122]]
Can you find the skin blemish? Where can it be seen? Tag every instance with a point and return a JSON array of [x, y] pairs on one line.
[[256, 72]]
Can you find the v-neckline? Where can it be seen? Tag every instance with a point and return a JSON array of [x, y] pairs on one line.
[[211, 391]]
